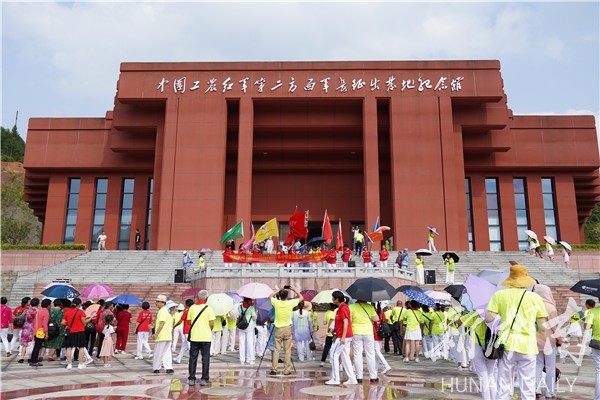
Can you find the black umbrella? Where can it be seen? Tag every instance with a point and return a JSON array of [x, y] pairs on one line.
[[455, 291], [590, 287], [316, 241], [403, 288], [371, 289], [454, 256]]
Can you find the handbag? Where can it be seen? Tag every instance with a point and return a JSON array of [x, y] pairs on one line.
[[595, 344], [493, 350], [141, 322], [39, 333]]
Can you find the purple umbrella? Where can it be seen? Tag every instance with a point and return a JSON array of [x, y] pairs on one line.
[[236, 297], [263, 306], [480, 292], [255, 290]]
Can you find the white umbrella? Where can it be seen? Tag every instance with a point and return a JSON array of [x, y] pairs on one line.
[[531, 234], [550, 240], [444, 296], [433, 229], [220, 303], [566, 245], [423, 252]]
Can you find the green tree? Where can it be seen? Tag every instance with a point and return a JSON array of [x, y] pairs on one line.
[[13, 146], [592, 227], [19, 225]]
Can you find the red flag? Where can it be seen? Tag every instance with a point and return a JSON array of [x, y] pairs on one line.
[[339, 242], [375, 236], [326, 232], [298, 226]]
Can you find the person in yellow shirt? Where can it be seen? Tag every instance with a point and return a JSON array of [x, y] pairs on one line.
[[217, 332], [283, 326], [163, 337], [519, 310], [438, 327], [228, 339], [427, 341], [315, 318], [362, 316], [397, 327], [592, 328], [450, 268], [574, 329], [329, 317], [202, 320], [484, 368], [387, 313], [412, 319], [419, 270]]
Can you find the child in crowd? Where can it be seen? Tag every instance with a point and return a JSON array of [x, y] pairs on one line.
[[108, 343]]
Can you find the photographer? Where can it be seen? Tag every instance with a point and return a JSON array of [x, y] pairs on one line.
[[283, 326]]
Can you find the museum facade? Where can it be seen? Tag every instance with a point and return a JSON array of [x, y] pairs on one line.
[[189, 149]]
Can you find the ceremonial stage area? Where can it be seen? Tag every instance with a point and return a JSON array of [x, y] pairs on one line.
[[189, 149]]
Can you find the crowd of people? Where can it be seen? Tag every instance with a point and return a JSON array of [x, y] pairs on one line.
[[355, 332]]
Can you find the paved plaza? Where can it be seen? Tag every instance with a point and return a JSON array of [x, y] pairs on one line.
[[133, 379]]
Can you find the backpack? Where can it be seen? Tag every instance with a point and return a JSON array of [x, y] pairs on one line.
[[384, 330], [491, 349], [242, 322], [53, 329]]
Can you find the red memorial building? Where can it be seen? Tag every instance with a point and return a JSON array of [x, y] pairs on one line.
[[191, 148]]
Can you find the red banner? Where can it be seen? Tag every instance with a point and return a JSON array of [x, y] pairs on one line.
[[279, 258]]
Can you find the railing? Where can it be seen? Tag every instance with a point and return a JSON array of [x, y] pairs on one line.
[[245, 271]]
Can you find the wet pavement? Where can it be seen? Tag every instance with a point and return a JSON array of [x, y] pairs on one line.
[[133, 379]]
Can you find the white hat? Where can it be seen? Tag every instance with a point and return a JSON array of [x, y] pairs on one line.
[[170, 304], [185, 252], [180, 307], [161, 297]]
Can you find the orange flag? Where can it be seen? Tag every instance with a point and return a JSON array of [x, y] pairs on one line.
[[326, 230]]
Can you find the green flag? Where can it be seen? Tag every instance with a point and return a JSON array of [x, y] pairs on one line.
[[237, 231]]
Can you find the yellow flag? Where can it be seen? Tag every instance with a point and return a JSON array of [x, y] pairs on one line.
[[267, 230]]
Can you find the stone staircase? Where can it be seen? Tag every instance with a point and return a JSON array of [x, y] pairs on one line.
[[147, 273], [145, 268]]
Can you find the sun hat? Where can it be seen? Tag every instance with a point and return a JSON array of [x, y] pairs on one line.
[[162, 298], [519, 278], [180, 307], [170, 304]]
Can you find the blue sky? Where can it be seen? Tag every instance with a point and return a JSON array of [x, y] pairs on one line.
[[61, 59]]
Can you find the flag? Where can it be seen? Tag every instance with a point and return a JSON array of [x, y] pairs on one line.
[[235, 232], [370, 237], [326, 232], [250, 242], [298, 226], [374, 236], [339, 242], [268, 229]]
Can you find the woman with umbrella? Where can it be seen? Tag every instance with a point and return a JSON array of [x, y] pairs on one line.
[[449, 260], [566, 252], [548, 242], [430, 238], [419, 269]]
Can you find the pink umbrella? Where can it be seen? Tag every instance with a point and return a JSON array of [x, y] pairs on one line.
[[97, 292], [308, 294], [255, 290]]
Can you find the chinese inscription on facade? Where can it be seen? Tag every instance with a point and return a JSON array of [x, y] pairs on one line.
[[326, 85]]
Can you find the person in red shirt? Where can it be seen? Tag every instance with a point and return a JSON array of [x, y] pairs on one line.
[[366, 255], [187, 325], [341, 345], [383, 257], [6, 319], [256, 252], [227, 260], [123, 321], [18, 322], [144, 319], [346, 255], [41, 322], [75, 320], [331, 257]]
